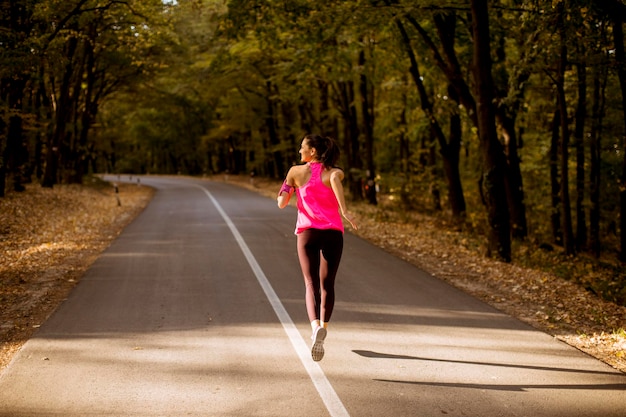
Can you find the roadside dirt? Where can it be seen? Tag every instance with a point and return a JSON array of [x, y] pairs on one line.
[[50, 237]]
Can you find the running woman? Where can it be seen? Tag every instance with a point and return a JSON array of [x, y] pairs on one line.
[[319, 228]]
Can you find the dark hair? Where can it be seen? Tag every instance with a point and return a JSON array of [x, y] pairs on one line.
[[326, 148]]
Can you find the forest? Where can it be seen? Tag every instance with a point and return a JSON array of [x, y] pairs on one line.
[[506, 115]]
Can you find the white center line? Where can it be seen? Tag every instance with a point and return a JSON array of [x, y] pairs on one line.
[[327, 393]]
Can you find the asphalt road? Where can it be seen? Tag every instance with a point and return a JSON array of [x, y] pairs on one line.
[[197, 310]]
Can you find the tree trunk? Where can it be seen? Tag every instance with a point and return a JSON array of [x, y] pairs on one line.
[[595, 146], [555, 216], [513, 179], [451, 167], [277, 167], [446, 27], [620, 57], [566, 214], [89, 111], [405, 150], [368, 129], [62, 115], [493, 164], [324, 108], [344, 97], [449, 151], [579, 131]]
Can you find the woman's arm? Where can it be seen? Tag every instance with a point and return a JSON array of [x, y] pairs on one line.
[[285, 191], [336, 176]]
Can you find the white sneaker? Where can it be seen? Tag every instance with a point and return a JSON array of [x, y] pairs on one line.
[[317, 349]]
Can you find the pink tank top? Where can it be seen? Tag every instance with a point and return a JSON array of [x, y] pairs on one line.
[[317, 204]]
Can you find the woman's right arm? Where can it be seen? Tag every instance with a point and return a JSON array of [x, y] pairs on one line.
[[287, 189]]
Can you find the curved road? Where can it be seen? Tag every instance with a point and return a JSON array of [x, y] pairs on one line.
[[197, 309]]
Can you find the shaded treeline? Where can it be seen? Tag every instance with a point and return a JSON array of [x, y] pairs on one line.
[[60, 60], [508, 114]]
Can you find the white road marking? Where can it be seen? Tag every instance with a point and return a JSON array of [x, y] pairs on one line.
[[333, 404]]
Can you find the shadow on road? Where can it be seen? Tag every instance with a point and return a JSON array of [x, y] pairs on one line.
[[378, 355]]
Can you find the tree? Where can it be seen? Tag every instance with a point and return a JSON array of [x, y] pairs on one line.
[[620, 58], [492, 181], [16, 69], [367, 110], [449, 149], [600, 78], [566, 215]]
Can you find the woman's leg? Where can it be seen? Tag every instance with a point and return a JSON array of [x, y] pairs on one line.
[[332, 249], [309, 256]]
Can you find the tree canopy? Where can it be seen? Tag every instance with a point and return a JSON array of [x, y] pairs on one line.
[[508, 114]]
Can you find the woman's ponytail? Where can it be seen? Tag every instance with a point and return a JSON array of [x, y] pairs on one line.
[[331, 156], [326, 147]]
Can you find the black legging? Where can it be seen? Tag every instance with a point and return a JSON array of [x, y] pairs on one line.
[[320, 252]]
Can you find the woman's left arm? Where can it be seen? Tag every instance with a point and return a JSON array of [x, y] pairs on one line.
[[336, 178]]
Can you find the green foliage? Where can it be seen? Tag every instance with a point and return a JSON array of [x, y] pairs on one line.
[[206, 86]]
